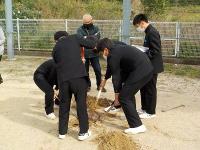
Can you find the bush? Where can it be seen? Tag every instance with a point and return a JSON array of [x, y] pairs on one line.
[[155, 7], [75, 9]]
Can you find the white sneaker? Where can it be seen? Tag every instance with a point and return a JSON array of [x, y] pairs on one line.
[[113, 109], [147, 116], [61, 136], [140, 111], [136, 130], [84, 136], [51, 116]]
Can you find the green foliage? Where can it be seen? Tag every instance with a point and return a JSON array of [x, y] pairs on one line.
[[61, 9], [155, 7], [21, 9], [189, 48], [183, 70], [157, 10], [25, 10], [104, 9], [2, 11], [67, 9], [184, 2]]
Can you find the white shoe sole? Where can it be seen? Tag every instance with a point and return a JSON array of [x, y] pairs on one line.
[[137, 131], [115, 110], [51, 117], [84, 138], [61, 136], [147, 117], [141, 112]]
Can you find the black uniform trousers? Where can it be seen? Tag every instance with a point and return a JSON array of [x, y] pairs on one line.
[[44, 85], [94, 61], [78, 87], [149, 95], [127, 100]]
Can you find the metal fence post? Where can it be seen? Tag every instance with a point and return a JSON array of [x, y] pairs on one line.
[[66, 25], [126, 21], [177, 48], [18, 35], [120, 30], [9, 29]]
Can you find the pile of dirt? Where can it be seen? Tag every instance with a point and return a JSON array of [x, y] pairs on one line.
[[115, 141], [102, 102], [92, 103], [94, 120], [73, 122], [93, 114]]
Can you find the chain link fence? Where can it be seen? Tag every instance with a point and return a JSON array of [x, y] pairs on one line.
[[179, 39]]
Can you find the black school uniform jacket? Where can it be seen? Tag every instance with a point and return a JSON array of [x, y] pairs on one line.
[[67, 56], [92, 31], [108, 71], [127, 64], [153, 42], [48, 70]]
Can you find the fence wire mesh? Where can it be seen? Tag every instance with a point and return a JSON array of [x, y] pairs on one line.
[[178, 38]]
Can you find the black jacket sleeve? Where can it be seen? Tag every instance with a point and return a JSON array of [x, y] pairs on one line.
[[116, 77], [108, 72], [87, 42], [54, 53], [154, 44]]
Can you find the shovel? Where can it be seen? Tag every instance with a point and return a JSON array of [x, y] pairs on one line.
[[98, 96], [165, 110], [111, 107]]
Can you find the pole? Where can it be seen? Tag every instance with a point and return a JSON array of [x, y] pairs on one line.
[[66, 25], [18, 35], [126, 21], [9, 29]]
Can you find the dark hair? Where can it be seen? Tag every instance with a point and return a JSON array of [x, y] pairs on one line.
[[104, 43], [60, 34], [138, 18]]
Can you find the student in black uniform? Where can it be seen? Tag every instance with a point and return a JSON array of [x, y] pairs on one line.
[[45, 78], [153, 42], [117, 106], [72, 79], [130, 69]]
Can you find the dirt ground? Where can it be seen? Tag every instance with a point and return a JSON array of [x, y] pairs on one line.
[[23, 124]]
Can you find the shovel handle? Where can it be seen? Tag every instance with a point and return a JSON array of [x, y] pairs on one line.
[[99, 94]]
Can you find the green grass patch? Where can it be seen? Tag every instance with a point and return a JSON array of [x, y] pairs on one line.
[[183, 70], [190, 13]]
